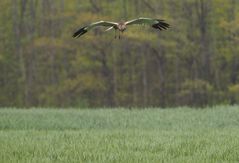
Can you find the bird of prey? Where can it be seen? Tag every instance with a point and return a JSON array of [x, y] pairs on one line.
[[121, 26]]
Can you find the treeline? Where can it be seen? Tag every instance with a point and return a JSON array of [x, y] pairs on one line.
[[195, 63]]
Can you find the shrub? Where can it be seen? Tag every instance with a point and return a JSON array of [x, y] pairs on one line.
[[195, 93], [233, 91]]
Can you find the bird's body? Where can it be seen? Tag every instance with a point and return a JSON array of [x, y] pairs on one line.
[[121, 26]]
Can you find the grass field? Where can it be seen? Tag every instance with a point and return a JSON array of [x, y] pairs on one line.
[[119, 135]]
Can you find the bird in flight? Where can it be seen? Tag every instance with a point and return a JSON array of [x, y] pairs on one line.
[[121, 26]]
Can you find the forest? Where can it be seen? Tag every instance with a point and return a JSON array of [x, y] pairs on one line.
[[194, 63]]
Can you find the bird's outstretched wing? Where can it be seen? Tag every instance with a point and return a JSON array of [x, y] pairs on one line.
[[85, 29], [155, 23]]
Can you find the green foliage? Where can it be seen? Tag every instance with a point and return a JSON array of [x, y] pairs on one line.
[[195, 93], [234, 93]]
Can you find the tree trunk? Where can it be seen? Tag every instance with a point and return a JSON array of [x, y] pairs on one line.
[[203, 9]]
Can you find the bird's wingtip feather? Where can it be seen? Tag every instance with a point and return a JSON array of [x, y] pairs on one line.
[[161, 25], [79, 32]]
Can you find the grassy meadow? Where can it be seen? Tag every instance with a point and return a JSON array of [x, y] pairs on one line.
[[120, 135]]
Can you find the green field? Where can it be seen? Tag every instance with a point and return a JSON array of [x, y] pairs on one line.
[[120, 135]]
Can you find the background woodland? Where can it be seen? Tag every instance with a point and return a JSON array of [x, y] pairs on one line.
[[194, 63]]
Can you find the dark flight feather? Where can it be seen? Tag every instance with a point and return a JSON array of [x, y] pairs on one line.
[[80, 32], [161, 25]]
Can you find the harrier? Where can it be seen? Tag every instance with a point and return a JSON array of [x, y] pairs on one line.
[[121, 26]]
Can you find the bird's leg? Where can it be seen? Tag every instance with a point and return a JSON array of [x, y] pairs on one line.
[[115, 33], [119, 34]]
